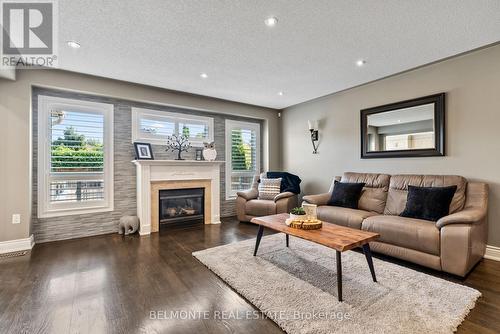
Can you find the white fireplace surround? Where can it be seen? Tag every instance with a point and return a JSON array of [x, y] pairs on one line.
[[174, 170]]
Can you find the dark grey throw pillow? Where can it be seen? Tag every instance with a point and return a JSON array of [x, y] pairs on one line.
[[346, 194], [428, 203]]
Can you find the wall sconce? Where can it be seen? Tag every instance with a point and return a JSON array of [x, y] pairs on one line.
[[313, 128]]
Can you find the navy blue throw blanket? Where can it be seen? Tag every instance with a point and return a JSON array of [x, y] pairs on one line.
[[289, 182]]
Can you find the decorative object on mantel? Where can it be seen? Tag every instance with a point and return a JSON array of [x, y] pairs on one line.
[[313, 128], [128, 225], [143, 151], [199, 154], [209, 152], [179, 143]]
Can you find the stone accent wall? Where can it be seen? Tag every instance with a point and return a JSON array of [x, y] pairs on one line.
[[75, 226]]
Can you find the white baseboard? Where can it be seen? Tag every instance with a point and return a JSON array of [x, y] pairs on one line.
[[17, 245], [144, 229], [492, 253]]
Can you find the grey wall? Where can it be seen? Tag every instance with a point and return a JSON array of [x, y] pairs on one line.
[[472, 84], [75, 226], [8, 73], [15, 131]]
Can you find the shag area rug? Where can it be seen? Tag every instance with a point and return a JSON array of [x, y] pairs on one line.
[[296, 288]]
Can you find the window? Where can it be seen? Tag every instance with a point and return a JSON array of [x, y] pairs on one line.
[[417, 141], [75, 157], [153, 126], [242, 155]]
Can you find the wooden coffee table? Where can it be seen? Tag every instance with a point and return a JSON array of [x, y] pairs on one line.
[[334, 236]]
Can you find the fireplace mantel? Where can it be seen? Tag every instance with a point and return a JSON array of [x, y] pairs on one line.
[[151, 172], [176, 162]]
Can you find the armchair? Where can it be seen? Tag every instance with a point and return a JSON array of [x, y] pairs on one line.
[[248, 204]]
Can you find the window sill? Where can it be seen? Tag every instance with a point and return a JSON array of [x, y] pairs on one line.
[[72, 212]]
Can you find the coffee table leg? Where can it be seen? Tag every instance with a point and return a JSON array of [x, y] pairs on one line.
[[368, 255], [339, 276], [287, 240], [257, 241]]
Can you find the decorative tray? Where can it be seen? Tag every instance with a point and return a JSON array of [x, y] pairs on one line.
[[306, 224]]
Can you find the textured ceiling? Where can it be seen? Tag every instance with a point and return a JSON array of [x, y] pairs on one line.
[[310, 53]]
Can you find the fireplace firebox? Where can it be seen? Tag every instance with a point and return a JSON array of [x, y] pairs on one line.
[[182, 206]]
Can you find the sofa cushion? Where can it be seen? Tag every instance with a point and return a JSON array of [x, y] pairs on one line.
[[374, 193], [346, 194], [269, 188], [428, 203], [398, 190], [260, 207], [417, 234], [343, 216]]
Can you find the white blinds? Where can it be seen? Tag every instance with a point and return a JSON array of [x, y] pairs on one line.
[[154, 126], [243, 149], [243, 153], [76, 156]]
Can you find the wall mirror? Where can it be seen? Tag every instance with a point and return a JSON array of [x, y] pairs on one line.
[[412, 128]]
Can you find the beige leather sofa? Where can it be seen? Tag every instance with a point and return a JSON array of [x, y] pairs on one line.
[[453, 244], [249, 206]]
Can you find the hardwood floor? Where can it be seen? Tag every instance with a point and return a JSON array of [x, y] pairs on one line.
[[111, 284]]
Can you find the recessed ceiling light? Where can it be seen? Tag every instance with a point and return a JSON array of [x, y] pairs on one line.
[[204, 75], [280, 93], [73, 44], [271, 21], [360, 62]]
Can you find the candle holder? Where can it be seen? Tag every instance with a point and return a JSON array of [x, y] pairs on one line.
[[313, 128]]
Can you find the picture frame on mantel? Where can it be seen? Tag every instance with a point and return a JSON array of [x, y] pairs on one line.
[[411, 128], [143, 151]]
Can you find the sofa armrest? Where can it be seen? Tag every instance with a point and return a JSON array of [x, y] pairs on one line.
[[320, 199], [248, 194], [286, 202], [469, 215], [475, 210], [285, 194]]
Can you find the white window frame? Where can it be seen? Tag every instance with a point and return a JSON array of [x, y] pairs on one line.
[[231, 125], [47, 209], [138, 113]]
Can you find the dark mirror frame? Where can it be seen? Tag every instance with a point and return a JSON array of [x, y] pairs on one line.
[[439, 128]]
